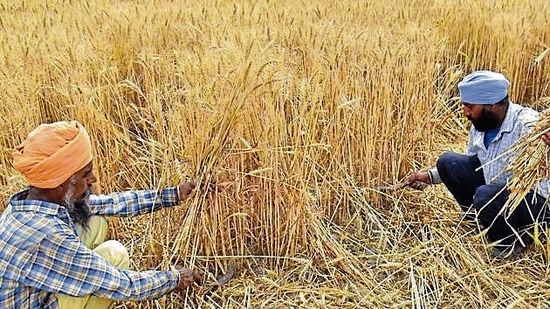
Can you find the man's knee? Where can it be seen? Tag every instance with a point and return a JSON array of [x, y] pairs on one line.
[[95, 233], [115, 253], [447, 159]]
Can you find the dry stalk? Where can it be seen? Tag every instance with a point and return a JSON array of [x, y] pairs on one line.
[[529, 166], [301, 105]]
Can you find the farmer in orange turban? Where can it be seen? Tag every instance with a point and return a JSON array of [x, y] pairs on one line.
[[48, 229]]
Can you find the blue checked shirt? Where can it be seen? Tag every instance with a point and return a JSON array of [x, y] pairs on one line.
[[41, 255], [519, 120]]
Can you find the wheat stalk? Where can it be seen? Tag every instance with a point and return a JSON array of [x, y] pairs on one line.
[[529, 165]]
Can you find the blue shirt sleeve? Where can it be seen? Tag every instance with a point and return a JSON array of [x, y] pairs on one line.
[[133, 203]]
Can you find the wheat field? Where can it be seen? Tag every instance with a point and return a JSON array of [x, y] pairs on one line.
[[300, 109]]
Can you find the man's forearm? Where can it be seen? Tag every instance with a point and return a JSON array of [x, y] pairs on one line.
[[133, 203]]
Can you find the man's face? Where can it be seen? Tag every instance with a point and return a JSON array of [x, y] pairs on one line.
[[483, 117], [81, 182], [79, 189]]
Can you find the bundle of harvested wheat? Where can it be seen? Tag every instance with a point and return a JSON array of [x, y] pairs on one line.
[[530, 164]]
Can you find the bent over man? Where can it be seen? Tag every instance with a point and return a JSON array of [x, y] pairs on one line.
[[477, 179], [52, 249]]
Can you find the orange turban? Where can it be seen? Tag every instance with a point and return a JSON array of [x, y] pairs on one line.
[[52, 153]]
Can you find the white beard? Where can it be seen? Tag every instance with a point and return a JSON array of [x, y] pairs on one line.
[[79, 212]]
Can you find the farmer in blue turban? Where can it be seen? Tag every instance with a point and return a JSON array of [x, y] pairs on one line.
[[477, 179]]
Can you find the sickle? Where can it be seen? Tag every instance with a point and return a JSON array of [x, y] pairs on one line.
[[225, 278]]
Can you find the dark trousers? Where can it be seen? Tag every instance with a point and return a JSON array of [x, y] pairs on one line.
[[458, 173]]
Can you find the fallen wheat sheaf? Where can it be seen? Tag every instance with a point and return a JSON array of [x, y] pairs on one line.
[[530, 164]]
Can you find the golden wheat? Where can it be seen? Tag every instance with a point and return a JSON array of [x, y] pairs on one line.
[[529, 165], [301, 109]]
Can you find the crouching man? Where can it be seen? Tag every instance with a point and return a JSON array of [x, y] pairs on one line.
[[53, 252], [478, 179]]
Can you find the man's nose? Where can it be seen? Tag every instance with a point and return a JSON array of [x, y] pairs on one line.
[[92, 179]]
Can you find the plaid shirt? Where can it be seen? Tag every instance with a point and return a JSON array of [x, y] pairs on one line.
[[41, 255], [519, 120]]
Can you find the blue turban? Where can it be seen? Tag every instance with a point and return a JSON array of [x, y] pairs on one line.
[[483, 87]]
